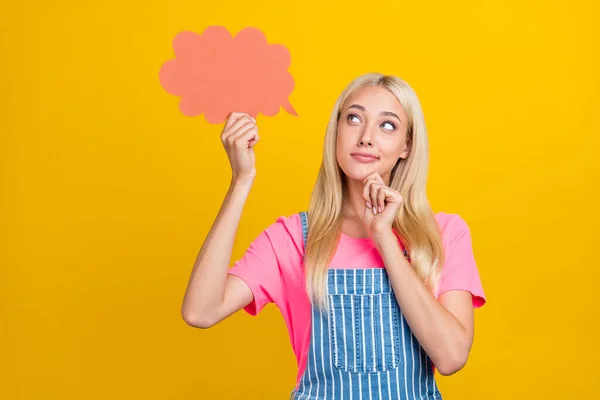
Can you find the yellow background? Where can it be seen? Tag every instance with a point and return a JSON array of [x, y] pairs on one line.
[[108, 190]]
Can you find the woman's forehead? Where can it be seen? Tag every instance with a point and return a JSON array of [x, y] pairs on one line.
[[373, 100]]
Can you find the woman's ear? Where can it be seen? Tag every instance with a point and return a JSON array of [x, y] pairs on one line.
[[406, 150]]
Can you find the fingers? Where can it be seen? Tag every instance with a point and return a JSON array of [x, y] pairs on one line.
[[244, 137], [367, 193], [374, 176], [238, 130], [243, 120], [371, 196], [239, 121], [247, 139], [381, 195], [375, 186], [253, 140], [233, 117], [239, 136], [376, 194]]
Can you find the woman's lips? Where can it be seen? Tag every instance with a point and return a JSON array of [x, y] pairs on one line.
[[364, 158]]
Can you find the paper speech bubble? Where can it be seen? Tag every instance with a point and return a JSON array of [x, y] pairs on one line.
[[216, 74]]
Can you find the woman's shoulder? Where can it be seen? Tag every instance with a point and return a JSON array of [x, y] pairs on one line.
[[290, 223], [451, 225], [286, 229]]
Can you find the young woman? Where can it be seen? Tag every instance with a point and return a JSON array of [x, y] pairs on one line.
[[376, 290]]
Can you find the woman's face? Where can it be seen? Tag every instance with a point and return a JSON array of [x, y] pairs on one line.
[[371, 133]]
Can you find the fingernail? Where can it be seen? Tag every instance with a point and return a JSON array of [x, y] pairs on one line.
[[368, 205], [374, 209], [379, 209]]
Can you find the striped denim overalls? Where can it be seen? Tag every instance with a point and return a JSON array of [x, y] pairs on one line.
[[363, 348]]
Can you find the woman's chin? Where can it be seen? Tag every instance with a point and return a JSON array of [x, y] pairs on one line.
[[359, 173]]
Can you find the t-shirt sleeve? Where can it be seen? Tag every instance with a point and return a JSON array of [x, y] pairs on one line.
[[460, 269], [264, 264], [259, 268]]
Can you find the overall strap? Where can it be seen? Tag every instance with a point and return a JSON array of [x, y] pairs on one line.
[[304, 223]]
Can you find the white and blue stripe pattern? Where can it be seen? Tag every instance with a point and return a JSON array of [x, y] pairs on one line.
[[363, 348]]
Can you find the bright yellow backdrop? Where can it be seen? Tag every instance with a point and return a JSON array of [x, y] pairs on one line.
[[108, 190]]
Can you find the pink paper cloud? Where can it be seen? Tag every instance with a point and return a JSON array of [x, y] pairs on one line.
[[216, 74]]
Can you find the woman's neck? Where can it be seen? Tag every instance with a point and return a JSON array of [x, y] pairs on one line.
[[354, 204], [353, 208]]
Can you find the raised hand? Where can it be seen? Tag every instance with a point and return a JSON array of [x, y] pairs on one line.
[[382, 204], [239, 136]]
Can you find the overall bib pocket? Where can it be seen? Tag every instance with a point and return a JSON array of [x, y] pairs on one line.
[[365, 332]]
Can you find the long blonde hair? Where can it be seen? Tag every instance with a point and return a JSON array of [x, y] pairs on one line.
[[415, 223]]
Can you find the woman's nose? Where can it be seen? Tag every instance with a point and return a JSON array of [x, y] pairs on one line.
[[365, 137]]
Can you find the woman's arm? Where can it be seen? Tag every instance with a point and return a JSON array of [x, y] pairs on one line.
[[212, 294], [444, 328]]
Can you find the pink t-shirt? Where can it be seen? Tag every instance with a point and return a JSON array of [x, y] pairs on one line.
[[272, 268]]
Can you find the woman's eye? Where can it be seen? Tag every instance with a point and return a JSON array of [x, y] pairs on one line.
[[353, 118], [388, 125]]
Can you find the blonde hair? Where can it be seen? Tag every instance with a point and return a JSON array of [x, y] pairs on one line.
[[415, 223]]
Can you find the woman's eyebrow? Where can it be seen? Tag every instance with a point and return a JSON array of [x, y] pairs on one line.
[[390, 114], [358, 106], [385, 113]]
